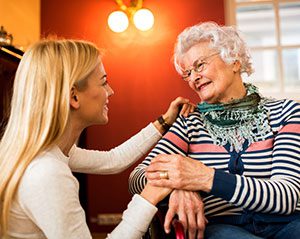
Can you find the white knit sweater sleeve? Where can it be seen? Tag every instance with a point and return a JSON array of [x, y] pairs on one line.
[[135, 219], [117, 159]]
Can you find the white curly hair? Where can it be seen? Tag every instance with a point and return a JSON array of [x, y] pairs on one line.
[[224, 39]]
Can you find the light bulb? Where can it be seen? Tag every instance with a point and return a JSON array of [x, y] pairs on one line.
[[143, 19], [117, 21]]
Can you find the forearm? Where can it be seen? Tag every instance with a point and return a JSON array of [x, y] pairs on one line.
[[117, 159], [167, 145], [137, 179], [267, 196], [135, 219]]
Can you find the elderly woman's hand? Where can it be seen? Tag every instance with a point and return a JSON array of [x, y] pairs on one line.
[[176, 171], [190, 210]]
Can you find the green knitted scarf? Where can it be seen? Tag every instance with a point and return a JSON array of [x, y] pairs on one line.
[[237, 121]]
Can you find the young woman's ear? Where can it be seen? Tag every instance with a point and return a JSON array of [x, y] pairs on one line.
[[74, 101], [236, 66]]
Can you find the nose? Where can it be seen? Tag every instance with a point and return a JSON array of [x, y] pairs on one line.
[[109, 90], [195, 76]]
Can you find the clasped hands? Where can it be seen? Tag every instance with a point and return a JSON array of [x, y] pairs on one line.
[[186, 176]]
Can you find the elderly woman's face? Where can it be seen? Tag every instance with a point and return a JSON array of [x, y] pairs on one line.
[[209, 76]]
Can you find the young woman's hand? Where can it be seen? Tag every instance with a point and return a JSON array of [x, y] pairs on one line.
[[155, 194], [180, 106]]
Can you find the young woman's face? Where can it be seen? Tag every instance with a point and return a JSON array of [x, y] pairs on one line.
[[94, 98], [209, 76]]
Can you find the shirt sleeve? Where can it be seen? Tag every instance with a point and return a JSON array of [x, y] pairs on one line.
[[48, 194], [175, 141], [135, 220], [280, 194], [117, 159]]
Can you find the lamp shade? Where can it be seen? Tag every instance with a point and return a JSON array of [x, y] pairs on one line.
[[118, 21], [143, 19]]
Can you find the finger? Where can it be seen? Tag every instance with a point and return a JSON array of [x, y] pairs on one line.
[[184, 109], [160, 183], [189, 108], [193, 107], [180, 100], [187, 111], [201, 222], [192, 224], [183, 219], [168, 219], [152, 175], [159, 175], [162, 158], [158, 166]]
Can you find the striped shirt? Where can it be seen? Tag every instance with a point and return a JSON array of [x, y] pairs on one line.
[[270, 182]]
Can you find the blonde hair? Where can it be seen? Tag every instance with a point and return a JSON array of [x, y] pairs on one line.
[[40, 107], [225, 39]]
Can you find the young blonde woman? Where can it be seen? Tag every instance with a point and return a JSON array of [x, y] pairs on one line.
[[61, 88]]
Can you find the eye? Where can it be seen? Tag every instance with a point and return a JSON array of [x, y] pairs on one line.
[[186, 74], [105, 83], [199, 66]]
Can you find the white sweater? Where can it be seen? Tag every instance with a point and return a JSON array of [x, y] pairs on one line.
[[47, 202]]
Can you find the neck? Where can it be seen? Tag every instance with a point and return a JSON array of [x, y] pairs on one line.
[[69, 137], [239, 92]]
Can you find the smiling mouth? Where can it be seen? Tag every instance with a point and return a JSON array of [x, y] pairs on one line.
[[200, 87]]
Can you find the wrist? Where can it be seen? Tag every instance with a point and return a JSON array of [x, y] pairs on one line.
[[163, 121], [161, 124], [210, 179], [150, 195]]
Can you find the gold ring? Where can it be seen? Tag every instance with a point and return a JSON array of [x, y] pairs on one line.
[[164, 175]]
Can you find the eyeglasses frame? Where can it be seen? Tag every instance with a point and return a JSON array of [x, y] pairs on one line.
[[200, 66]]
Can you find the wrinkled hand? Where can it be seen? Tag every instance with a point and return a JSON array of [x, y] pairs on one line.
[[173, 110], [190, 210], [155, 194], [183, 173]]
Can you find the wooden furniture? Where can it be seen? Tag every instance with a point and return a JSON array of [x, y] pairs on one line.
[[9, 61]]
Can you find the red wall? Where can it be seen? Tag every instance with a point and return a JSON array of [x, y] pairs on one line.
[[139, 70]]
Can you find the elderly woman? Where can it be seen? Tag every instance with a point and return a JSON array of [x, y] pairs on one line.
[[239, 150]]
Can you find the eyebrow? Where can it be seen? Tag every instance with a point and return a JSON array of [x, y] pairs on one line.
[[201, 58]]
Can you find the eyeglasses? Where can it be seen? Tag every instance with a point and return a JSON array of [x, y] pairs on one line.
[[199, 66]]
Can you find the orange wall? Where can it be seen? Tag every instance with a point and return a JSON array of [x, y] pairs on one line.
[[139, 70]]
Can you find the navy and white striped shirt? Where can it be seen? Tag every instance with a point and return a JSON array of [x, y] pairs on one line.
[[270, 182]]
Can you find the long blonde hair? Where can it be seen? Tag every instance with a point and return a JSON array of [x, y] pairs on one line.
[[40, 107]]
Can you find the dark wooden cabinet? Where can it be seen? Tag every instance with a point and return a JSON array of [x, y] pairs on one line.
[[9, 61]]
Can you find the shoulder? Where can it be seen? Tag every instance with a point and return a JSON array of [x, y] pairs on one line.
[[45, 171], [47, 164], [282, 112], [281, 106], [193, 117], [279, 103]]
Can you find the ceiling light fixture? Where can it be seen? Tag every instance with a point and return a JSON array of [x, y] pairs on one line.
[[142, 18]]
